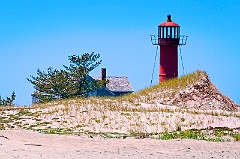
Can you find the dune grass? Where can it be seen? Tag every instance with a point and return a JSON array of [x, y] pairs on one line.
[[137, 115]]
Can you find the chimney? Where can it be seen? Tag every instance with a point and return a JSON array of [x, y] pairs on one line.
[[103, 75]]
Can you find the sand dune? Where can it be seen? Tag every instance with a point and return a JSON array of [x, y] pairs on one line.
[[114, 127]]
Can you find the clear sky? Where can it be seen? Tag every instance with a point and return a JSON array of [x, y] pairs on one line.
[[39, 34]]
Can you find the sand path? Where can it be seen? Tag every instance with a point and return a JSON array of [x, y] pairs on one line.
[[25, 144]]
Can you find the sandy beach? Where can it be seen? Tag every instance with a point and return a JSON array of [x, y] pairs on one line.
[[25, 144]]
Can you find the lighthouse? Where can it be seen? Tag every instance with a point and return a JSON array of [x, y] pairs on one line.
[[168, 39]]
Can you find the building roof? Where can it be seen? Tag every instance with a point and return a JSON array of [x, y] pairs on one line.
[[168, 24], [117, 84]]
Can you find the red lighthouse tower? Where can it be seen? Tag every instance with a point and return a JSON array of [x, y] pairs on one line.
[[168, 39]]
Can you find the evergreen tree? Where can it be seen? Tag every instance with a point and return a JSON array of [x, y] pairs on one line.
[[71, 82], [79, 69], [8, 101]]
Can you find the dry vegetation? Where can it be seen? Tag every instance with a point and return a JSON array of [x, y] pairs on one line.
[[188, 107]]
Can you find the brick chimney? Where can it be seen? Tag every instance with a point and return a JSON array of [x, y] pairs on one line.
[[103, 74]]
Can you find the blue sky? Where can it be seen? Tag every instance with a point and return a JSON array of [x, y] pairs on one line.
[[39, 34]]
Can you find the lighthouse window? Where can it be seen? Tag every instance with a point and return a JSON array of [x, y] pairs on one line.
[[166, 32], [172, 32], [175, 32], [162, 32], [159, 32], [178, 32], [169, 35]]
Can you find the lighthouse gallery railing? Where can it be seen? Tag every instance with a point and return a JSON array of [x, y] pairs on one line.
[[182, 39]]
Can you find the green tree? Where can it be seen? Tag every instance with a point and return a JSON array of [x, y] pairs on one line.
[[51, 84], [71, 82], [79, 69], [8, 101]]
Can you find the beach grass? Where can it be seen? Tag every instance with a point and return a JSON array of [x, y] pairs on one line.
[[144, 114]]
